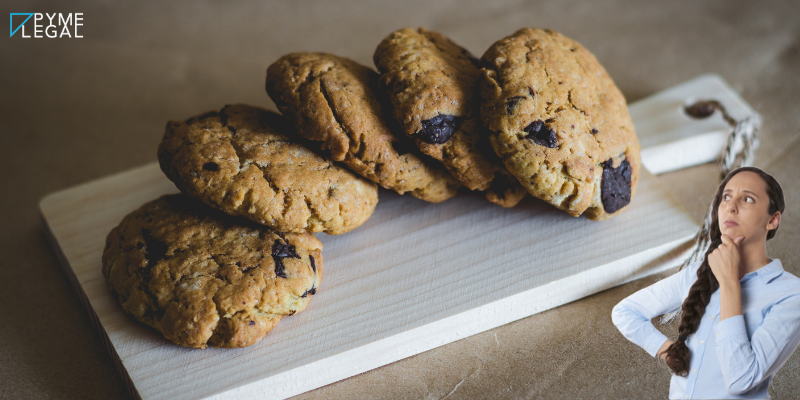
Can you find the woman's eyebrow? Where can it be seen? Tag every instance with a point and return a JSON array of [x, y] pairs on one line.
[[727, 191], [747, 191]]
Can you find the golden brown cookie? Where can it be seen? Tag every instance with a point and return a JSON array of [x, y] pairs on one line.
[[431, 83], [332, 100], [242, 160], [559, 123], [203, 277]]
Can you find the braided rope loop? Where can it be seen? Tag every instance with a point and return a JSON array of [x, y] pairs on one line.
[[739, 152]]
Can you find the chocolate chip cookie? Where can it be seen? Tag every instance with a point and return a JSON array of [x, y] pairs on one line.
[[559, 123], [334, 101], [431, 83], [244, 161], [202, 277]]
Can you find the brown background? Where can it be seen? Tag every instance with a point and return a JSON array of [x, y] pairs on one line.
[[74, 110]]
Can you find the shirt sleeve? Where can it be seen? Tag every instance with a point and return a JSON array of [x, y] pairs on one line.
[[747, 362], [633, 314]]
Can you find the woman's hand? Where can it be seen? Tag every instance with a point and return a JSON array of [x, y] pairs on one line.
[[724, 261], [662, 351]]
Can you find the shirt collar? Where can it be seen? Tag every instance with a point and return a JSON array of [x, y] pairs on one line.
[[770, 271]]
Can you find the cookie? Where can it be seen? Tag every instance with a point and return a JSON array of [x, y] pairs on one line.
[[243, 161], [333, 100], [559, 123], [431, 83], [201, 277]]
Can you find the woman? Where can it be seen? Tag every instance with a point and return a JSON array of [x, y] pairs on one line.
[[740, 309]]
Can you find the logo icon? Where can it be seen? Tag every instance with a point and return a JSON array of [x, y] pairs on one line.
[[11, 22]]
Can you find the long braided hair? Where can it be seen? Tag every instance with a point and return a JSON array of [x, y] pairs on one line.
[[693, 308]]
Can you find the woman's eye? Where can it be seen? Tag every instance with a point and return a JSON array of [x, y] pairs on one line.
[[748, 199], [726, 197]]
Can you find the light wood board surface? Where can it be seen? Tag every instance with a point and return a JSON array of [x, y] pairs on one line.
[[415, 276]]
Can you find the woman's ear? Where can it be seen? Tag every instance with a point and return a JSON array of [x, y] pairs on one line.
[[774, 221]]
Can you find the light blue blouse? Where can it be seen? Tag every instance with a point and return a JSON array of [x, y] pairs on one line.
[[744, 352]]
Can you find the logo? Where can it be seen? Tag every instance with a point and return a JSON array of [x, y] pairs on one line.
[[56, 25]]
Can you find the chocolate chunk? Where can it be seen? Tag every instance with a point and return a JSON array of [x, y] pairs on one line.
[[438, 129], [615, 186], [313, 267], [700, 109], [511, 104], [210, 166], [280, 251], [594, 131], [541, 134], [280, 270], [531, 91], [154, 251], [252, 323], [313, 290]]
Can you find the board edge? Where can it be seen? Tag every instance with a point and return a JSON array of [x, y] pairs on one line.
[[95, 320]]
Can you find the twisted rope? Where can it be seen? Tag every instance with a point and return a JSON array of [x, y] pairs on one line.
[[745, 132]]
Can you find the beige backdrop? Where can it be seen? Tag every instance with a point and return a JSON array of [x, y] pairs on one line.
[[78, 109]]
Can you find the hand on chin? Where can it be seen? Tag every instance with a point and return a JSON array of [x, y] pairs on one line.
[[732, 231]]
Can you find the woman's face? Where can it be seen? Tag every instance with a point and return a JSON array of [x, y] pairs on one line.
[[744, 208]]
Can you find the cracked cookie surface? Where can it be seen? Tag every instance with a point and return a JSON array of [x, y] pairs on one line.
[[431, 83], [242, 160], [202, 277], [559, 123], [333, 100]]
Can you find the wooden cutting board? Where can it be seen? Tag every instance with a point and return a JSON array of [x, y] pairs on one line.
[[414, 277]]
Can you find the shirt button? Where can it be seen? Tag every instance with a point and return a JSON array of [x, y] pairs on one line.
[[702, 341], [711, 316], [694, 370], [687, 396]]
